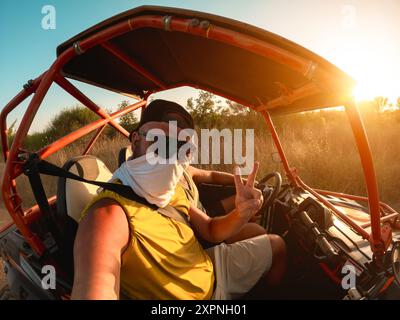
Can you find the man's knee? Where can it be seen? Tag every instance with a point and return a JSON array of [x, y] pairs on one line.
[[255, 229], [249, 230], [278, 246]]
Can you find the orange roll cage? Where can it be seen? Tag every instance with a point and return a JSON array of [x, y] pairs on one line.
[[39, 87]]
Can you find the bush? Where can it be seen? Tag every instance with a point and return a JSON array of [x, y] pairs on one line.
[[128, 121], [72, 119]]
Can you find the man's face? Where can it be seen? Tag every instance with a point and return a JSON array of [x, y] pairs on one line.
[[138, 140]]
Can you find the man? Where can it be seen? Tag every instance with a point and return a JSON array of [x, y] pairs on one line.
[[128, 247]]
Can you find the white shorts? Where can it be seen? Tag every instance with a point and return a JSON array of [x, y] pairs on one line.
[[239, 266]]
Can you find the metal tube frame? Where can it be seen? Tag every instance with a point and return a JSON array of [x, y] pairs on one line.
[[132, 64], [71, 89], [298, 64], [94, 139]]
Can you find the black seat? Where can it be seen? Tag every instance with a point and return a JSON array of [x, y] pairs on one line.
[[124, 154]]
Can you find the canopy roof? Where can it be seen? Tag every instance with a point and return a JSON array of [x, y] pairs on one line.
[[180, 58]]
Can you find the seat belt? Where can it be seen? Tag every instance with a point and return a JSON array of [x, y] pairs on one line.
[[175, 214], [32, 172], [47, 168]]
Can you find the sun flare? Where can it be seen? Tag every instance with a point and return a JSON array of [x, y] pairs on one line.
[[373, 71], [370, 87]]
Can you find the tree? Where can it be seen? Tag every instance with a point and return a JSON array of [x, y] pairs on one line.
[[236, 108], [128, 121], [69, 120], [205, 109], [65, 122]]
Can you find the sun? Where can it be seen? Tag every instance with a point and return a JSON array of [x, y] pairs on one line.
[[374, 71], [369, 87], [374, 78]]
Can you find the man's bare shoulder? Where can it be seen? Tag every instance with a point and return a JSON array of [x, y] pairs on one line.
[[105, 204], [104, 215]]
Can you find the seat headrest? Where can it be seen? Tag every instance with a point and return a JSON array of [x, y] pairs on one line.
[[73, 195]]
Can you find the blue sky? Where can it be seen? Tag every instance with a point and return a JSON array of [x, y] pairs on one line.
[[356, 35]]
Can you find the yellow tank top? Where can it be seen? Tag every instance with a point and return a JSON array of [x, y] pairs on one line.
[[163, 259]]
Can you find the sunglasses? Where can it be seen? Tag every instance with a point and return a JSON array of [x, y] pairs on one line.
[[170, 146]]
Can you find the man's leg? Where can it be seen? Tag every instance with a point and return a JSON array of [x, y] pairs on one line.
[[267, 286], [279, 260], [257, 263], [249, 230], [278, 268]]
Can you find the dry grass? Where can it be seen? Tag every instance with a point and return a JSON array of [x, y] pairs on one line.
[[320, 145]]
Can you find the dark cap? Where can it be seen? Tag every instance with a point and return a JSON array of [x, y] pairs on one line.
[[164, 111]]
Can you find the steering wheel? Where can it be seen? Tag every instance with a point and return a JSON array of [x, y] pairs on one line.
[[269, 193]]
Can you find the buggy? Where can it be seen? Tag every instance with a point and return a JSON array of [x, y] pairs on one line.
[[150, 49]]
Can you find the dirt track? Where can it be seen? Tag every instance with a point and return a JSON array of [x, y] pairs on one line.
[[2, 275]]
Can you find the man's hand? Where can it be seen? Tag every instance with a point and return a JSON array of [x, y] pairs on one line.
[[248, 199], [248, 202]]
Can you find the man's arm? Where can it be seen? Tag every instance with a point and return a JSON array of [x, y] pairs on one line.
[[215, 177], [221, 228], [212, 177], [102, 236], [248, 201]]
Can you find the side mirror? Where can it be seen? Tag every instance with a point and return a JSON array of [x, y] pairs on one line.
[[395, 260]]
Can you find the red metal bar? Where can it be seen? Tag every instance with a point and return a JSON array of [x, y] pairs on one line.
[[19, 98], [8, 188], [387, 284], [71, 137], [382, 220], [278, 145], [245, 42], [259, 47], [383, 205], [94, 139], [72, 90], [132, 64], [200, 87], [297, 94], [331, 273], [213, 32], [338, 212], [360, 135]]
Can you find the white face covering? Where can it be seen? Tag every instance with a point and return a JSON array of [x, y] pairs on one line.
[[152, 180]]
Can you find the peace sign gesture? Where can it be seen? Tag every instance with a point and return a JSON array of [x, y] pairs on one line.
[[248, 199]]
